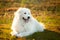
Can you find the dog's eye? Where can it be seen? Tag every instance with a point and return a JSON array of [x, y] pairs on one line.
[[24, 13]]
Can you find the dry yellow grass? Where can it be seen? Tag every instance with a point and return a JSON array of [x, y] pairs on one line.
[[43, 11], [51, 22]]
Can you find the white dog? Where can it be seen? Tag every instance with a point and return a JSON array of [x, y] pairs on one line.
[[24, 24]]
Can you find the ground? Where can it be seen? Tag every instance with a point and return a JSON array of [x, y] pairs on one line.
[[45, 11], [51, 21]]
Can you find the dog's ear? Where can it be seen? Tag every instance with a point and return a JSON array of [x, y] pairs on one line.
[[17, 12]]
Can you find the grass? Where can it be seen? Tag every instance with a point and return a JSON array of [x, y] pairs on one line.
[[46, 35], [50, 18], [51, 22]]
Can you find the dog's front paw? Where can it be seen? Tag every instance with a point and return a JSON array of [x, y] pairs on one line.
[[20, 35], [13, 33]]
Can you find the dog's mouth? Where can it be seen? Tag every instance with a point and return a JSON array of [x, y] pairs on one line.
[[26, 20]]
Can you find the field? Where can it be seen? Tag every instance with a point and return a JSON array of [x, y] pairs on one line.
[[50, 16]]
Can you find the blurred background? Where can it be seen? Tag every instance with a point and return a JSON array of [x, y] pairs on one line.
[[45, 11]]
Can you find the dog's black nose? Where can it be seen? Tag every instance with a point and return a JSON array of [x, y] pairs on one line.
[[28, 17]]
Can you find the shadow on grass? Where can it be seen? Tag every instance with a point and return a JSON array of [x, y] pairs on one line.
[[46, 35]]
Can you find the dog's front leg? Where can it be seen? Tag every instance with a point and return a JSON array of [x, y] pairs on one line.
[[14, 33], [23, 34]]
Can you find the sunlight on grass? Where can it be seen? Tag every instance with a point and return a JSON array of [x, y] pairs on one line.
[[47, 12], [49, 20]]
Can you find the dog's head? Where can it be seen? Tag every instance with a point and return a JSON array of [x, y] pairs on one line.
[[24, 14]]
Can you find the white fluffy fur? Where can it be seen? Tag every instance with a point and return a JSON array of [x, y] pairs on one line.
[[20, 28]]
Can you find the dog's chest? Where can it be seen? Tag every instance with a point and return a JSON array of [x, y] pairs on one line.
[[29, 26], [22, 27]]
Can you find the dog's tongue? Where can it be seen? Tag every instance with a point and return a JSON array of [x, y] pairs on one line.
[[26, 20]]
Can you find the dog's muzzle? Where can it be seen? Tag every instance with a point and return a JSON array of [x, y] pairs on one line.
[[26, 19]]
